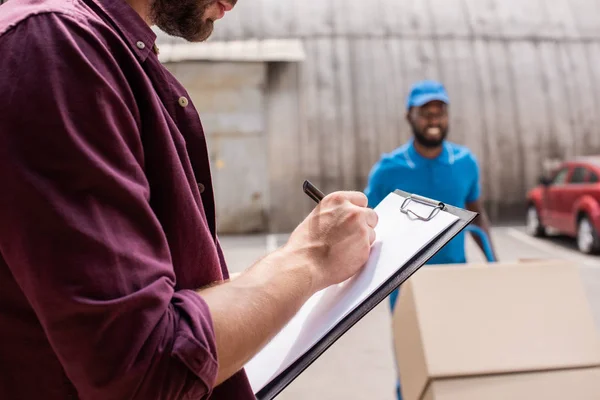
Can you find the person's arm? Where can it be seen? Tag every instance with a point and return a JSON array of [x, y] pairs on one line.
[[328, 247], [258, 303], [234, 275], [474, 204], [89, 254], [483, 222]]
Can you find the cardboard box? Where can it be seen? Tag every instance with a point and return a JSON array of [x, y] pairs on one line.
[[577, 384], [457, 322], [541, 261]]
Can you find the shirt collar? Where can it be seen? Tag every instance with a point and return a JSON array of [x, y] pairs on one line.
[[138, 35], [445, 157]]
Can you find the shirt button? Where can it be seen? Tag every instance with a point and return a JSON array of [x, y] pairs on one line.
[[183, 102], [140, 45], [201, 187]]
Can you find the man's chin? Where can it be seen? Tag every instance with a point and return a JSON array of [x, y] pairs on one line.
[[193, 34], [206, 30], [201, 38], [429, 143]]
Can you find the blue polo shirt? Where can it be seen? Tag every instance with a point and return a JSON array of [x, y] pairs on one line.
[[452, 178]]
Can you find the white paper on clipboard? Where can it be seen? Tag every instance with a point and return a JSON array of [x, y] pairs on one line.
[[400, 237]]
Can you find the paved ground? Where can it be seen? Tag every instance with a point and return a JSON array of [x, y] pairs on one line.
[[360, 364]]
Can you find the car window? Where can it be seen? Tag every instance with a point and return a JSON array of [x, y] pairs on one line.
[[593, 177], [578, 176], [560, 177]]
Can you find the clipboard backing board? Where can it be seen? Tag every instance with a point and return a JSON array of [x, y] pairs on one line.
[[277, 385]]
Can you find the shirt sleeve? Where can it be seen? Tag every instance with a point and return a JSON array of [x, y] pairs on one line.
[[376, 189], [78, 232], [475, 187]]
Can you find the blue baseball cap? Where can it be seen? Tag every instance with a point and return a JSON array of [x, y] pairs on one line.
[[425, 91]]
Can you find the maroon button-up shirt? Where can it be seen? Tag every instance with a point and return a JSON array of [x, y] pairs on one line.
[[104, 234]]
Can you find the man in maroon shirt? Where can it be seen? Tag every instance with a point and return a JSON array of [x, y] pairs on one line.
[[112, 280]]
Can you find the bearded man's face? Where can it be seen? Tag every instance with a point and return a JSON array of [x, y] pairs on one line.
[[192, 20]]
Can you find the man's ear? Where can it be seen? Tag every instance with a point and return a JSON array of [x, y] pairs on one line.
[[408, 115]]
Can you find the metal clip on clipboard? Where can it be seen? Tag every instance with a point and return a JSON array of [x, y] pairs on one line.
[[436, 207]]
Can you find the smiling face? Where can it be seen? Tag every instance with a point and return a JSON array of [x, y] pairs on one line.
[[192, 20], [429, 123]]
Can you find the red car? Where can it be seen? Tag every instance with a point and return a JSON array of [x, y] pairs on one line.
[[568, 203]]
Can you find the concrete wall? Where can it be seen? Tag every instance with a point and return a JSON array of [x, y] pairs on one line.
[[231, 101]]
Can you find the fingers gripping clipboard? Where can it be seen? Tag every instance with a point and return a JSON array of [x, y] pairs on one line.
[[410, 231]]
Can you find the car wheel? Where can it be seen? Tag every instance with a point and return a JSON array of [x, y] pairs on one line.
[[534, 224], [587, 237]]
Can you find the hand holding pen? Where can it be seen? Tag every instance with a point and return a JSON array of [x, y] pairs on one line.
[[337, 235]]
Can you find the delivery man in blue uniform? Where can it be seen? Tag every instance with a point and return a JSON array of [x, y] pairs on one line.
[[431, 166]]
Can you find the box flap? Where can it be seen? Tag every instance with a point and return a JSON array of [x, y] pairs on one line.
[[580, 384]]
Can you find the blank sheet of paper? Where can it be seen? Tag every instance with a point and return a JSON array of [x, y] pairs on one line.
[[399, 239]]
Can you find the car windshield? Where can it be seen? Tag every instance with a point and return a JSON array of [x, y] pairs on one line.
[[561, 176], [579, 175]]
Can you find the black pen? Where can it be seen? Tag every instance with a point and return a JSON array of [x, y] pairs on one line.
[[312, 191]]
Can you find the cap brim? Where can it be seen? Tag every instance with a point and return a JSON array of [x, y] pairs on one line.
[[428, 98]]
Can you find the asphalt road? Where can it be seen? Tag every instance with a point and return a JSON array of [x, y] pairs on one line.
[[360, 365]]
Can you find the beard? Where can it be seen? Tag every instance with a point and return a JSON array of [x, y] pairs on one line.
[[425, 141], [183, 18]]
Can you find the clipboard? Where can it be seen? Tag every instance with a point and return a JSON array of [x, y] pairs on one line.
[[464, 218]]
